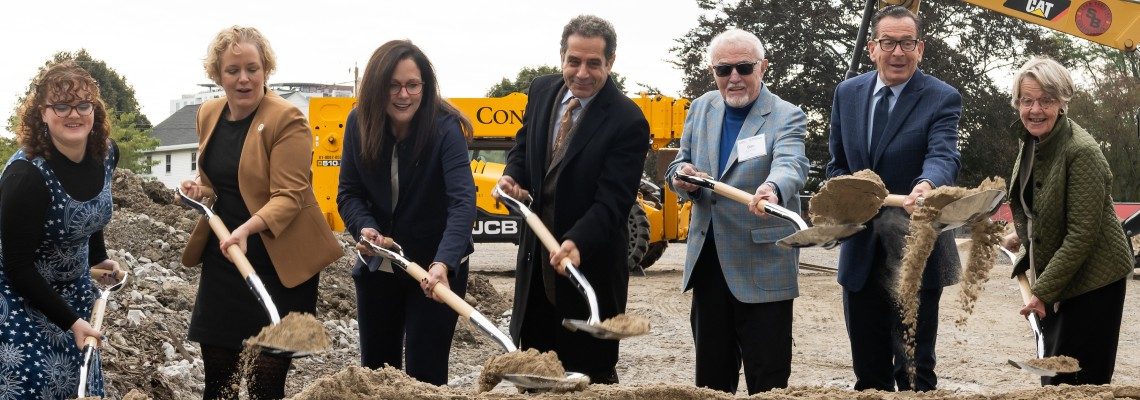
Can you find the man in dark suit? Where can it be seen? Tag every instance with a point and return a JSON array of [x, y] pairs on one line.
[[579, 153], [903, 125]]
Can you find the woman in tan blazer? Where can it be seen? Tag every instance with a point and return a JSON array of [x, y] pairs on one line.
[[254, 152]]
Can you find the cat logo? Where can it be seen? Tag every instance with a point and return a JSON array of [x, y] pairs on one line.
[[1044, 9]]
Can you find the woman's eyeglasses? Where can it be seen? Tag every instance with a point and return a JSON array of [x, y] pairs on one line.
[[62, 110], [744, 68], [413, 88]]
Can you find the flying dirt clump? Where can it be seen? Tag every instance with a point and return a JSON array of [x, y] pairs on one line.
[[296, 332], [528, 362], [1061, 364], [848, 199], [984, 235], [627, 325]]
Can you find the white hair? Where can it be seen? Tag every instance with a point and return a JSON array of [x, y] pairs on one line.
[[739, 37]]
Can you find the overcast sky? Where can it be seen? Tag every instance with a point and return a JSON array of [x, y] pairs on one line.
[[159, 45]]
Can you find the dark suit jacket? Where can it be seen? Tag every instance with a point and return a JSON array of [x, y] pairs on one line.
[[436, 207], [919, 142], [596, 188], [275, 180]]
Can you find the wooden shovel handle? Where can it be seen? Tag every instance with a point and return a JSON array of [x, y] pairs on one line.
[[238, 258], [732, 192], [1023, 286], [894, 200], [442, 291], [96, 320]]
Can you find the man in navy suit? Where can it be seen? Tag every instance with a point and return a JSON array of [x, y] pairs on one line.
[[903, 125], [579, 153]]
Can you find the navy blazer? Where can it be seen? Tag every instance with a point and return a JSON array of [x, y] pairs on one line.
[[436, 207], [919, 142], [596, 189]]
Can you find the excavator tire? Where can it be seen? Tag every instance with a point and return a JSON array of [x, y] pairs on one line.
[[638, 225]]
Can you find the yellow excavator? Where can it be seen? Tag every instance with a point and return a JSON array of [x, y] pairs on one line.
[[656, 220]]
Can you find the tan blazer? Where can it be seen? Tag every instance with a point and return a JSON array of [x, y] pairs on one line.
[[275, 181]]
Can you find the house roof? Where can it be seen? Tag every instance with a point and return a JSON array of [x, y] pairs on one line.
[[179, 128]]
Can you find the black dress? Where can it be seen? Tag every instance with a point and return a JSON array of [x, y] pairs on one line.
[[226, 311]]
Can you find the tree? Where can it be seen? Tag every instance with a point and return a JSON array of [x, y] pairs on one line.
[[1107, 108], [132, 142], [526, 75], [808, 56]]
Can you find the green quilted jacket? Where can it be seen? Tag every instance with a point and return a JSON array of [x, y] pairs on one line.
[[1078, 244]]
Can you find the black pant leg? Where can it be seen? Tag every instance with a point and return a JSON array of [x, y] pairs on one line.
[[430, 328], [870, 318], [380, 302], [1087, 328], [926, 336], [765, 333], [714, 336]]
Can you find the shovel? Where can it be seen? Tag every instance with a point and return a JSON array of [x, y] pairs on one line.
[[957, 213], [91, 345], [1034, 324], [593, 325], [525, 381], [826, 236], [246, 270]]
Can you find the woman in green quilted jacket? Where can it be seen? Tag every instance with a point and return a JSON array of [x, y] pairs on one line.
[[1061, 199]]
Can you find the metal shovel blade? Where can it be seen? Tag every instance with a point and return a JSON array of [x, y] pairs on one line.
[[542, 383], [825, 236], [970, 209], [1031, 369], [593, 330]]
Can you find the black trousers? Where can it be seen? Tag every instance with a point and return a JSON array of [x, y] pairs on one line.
[[578, 351], [393, 312], [874, 327], [1087, 328], [728, 332]]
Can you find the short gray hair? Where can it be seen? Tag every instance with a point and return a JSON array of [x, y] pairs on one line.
[[1050, 74], [591, 26], [738, 37]]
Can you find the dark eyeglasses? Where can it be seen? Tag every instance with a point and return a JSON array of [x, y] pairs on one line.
[[62, 110], [744, 68], [413, 88], [889, 44]]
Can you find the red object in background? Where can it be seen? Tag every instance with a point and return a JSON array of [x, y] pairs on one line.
[[1123, 210]]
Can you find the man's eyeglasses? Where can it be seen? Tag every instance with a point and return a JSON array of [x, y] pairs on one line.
[[62, 110], [1044, 102], [889, 44], [413, 88], [744, 68]]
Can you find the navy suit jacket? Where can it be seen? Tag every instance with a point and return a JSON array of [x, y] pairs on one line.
[[919, 142], [595, 190], [436, 206]]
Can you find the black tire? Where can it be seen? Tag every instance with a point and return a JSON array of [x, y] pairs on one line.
[[656, 250], [638, 225]]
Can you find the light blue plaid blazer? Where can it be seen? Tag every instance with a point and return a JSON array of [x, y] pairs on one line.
[[756, 269]]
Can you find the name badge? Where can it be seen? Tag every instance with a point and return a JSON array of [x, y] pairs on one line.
[[747, 149]]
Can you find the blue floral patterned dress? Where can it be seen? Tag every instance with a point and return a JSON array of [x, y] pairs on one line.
[[38, 360]]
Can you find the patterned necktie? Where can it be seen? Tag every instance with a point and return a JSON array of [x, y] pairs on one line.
[[882, 113], [564, 126]]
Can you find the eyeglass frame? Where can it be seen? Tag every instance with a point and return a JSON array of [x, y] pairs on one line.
[[737, 67], [1040, 102], [897, 43], [394, 88], [70, 107]]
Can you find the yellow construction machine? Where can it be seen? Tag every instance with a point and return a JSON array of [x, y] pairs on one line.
[[654, 221]]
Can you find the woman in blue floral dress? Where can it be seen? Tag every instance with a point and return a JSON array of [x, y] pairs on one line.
[[55, 199]]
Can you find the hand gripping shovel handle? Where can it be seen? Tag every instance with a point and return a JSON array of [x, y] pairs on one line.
[[443, 292], [552, 246], [238, 258], [1034, 324], [91, 344], [743, 197]]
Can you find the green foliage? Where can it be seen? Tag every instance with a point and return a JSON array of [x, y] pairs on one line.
[[8, 147], [808, 56], [526, 75], [1107, 108], [133, 139]]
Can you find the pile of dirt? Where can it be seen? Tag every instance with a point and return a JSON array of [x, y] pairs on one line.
[[848, 199], [299, 332], [1061, 364], [627, 324], [528, 362]]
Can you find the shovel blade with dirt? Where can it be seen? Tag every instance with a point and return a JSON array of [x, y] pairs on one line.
[[252, 280], [965, 210], [815, 236], [592, 326], [1034, 325], [91, 345]]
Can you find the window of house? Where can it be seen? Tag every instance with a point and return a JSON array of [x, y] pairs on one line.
[[168, 163], [193, 161]]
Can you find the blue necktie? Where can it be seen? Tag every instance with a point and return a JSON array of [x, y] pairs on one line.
[[882, 112]]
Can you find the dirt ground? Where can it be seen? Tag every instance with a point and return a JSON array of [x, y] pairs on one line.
[[146, 347]]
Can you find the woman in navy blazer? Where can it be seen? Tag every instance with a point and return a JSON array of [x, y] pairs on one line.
[[405, 174]]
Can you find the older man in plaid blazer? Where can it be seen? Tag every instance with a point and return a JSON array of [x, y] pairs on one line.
[[743, 283]]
